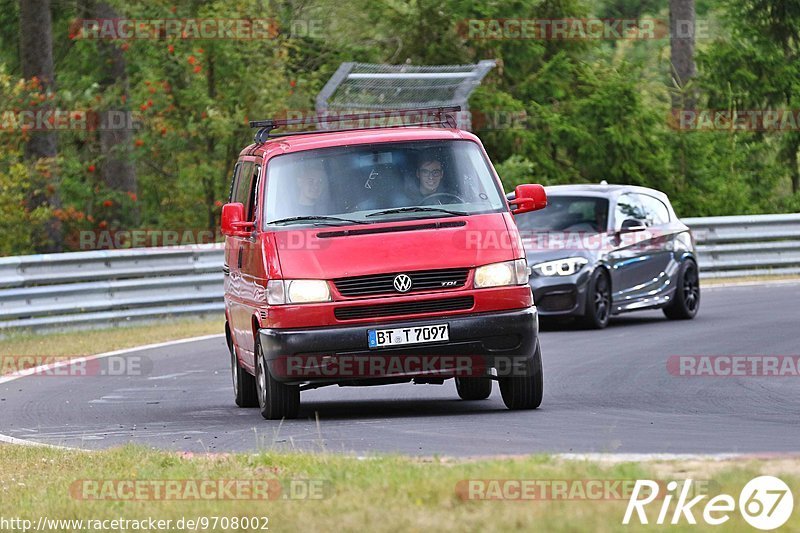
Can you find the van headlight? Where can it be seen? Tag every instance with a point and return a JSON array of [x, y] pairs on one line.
[[500, 274], [297, 291], [560, 267]]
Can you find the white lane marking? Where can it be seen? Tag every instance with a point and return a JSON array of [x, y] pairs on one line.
[[67, 362], [645, 457], [20, 442], [176, 375], [754, 283]]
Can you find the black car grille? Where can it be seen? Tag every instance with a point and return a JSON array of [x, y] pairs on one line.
[[421, 280], [404, 308], [557, 301]]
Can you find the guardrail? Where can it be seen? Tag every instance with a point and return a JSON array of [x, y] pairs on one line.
[[109, 287], [114, 287], [755, 245]]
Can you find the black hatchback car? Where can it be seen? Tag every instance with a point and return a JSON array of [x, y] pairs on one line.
[[600, 250]]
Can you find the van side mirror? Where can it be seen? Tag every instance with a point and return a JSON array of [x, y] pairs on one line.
[[233, 224], [630, 225], [528, 197]]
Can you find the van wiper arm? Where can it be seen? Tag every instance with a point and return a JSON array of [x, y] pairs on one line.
[[417, 209], [326, 220]]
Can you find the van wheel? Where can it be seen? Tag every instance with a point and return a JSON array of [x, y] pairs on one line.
[[474, 388], [276, 400], [686, 302], [244, 385], [598, 301], [524, 392]]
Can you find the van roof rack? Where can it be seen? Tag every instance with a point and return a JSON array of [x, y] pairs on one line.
[[439, 116]]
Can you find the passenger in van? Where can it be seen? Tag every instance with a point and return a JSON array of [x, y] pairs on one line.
[[312, 190]]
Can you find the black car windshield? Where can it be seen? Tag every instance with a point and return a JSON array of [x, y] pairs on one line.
[[567, 213], [379, 182]]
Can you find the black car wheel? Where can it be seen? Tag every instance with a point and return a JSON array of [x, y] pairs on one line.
[[276, 400], [474, 388], [598, 300], [524, 391], [244, 385], [686, 301]]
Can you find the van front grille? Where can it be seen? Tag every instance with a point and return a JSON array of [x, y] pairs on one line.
[[404, 308], [421, 280]]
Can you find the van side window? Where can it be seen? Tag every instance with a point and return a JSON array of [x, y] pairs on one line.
[[236, 169], [244, 185], [252, 200]]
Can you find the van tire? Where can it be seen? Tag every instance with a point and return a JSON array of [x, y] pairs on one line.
[[276, 400], [474, 388], [524, 392], [244, 384]]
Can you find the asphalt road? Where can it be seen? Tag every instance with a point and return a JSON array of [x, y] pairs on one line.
[[605, 391]]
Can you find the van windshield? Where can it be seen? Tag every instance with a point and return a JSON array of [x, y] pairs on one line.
[[379, 182]]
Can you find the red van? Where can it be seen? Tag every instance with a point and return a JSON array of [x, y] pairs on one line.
[[370, 256]]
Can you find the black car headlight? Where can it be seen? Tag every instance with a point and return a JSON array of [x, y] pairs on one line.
[[560, 267]]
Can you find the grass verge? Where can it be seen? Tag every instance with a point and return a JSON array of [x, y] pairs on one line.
[[94, 341], [377, 494]]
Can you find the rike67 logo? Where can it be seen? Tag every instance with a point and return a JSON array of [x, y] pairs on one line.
[[765, 503]]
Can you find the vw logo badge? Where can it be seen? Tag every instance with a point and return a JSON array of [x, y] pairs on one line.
[[402, 283]]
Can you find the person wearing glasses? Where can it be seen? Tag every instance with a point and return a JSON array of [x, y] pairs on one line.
[[430, 173]]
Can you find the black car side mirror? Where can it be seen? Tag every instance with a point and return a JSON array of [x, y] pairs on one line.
[[629, 225]]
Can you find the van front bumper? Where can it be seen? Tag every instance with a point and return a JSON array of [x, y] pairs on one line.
[[501, 340]]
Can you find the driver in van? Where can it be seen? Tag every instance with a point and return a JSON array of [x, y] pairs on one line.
[[312, 190]]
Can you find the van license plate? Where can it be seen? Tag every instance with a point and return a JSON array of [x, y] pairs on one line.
[[380, 338]]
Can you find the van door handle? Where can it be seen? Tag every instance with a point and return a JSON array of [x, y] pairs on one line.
[[241, 252]]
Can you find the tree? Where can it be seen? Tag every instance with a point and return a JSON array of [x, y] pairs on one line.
[[682, 34], [36, 59], [116, 166]]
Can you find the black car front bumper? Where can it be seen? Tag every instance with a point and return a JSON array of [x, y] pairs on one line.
[[561, 295]]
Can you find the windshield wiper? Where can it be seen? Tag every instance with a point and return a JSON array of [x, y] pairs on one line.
[[416, 209], [324, 220]]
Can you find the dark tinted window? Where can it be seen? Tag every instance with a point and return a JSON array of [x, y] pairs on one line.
[[657, 213], [629, 206], [243, 187], [233, 181], [252, 200], [567, 213]]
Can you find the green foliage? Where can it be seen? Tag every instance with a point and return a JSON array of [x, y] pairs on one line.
[[553, 111]]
